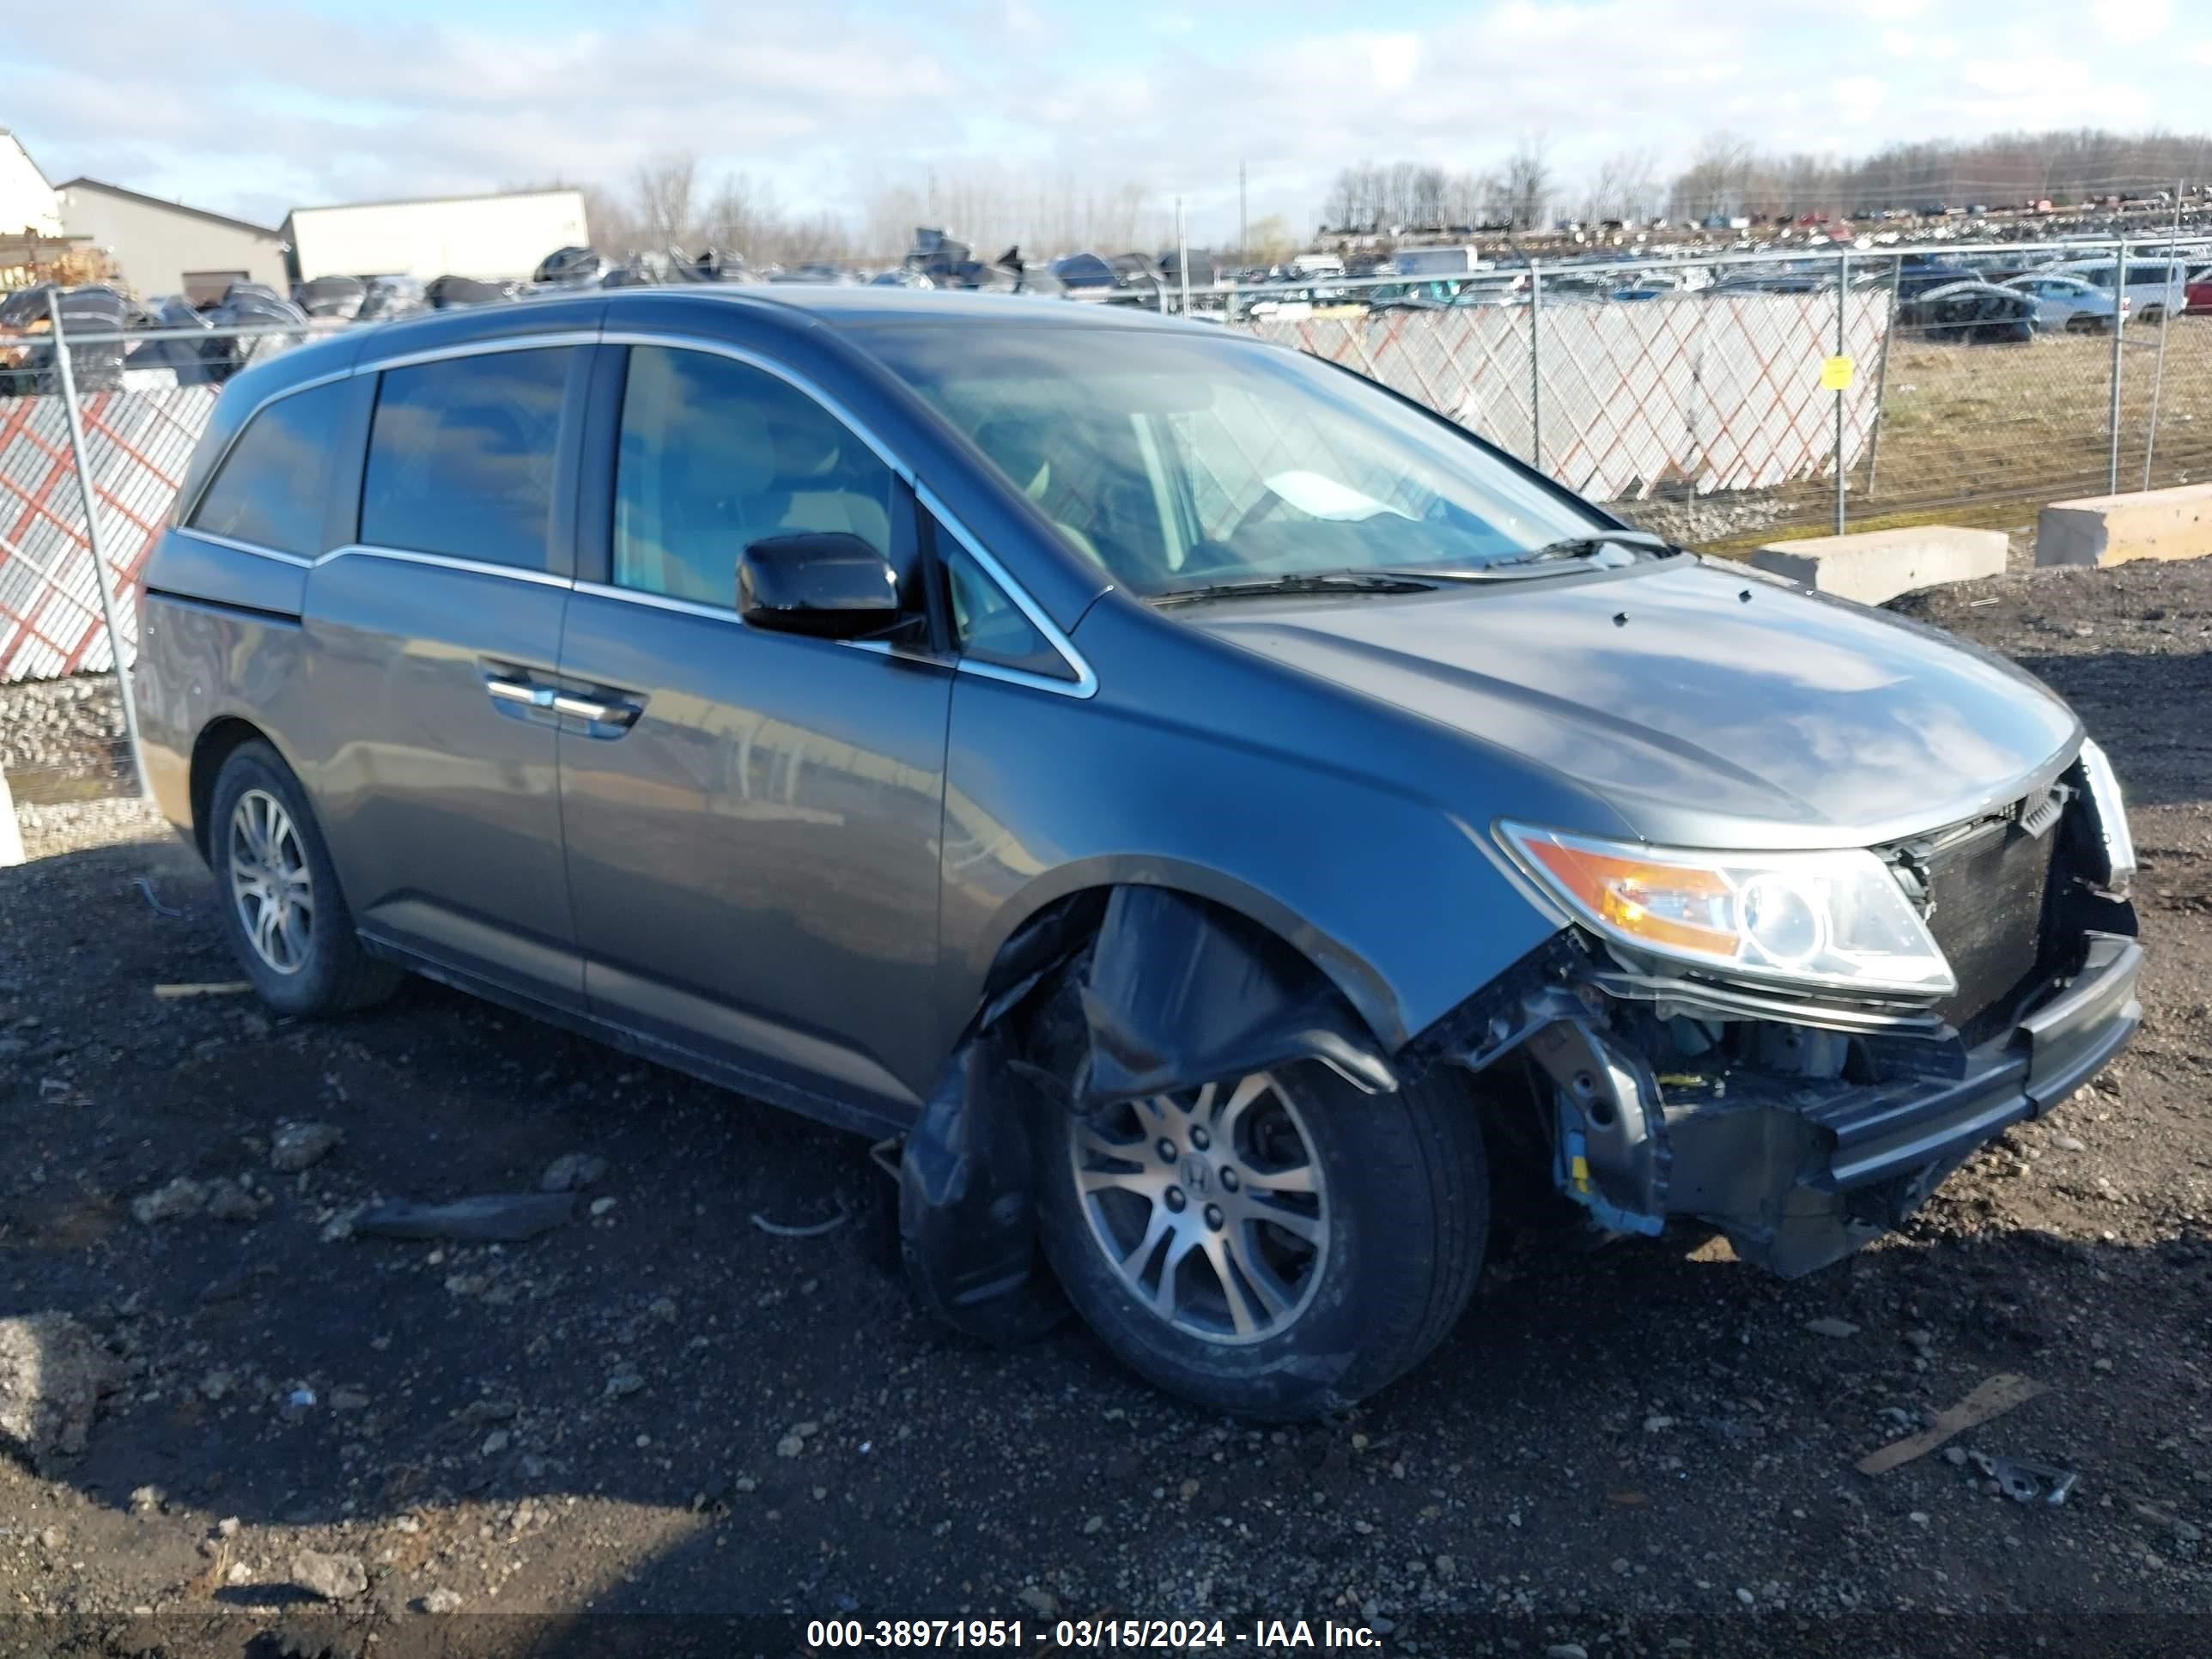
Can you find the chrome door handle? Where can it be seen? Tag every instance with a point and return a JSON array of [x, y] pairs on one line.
[[537, 696], [588, 708]]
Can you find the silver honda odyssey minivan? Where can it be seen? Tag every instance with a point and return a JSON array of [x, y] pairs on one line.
[[1222, 821]]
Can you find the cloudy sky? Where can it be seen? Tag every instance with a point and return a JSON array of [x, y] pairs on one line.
[[259, 107]]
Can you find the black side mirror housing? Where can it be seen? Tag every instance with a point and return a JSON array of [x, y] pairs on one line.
[[829, 584]]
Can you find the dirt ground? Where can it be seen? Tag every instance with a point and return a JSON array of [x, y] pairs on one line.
[[660, 1409]]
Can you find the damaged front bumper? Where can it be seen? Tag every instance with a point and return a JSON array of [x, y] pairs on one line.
[[1801, 1143]]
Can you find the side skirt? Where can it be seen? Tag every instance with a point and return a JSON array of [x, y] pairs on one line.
[[839, 1112]]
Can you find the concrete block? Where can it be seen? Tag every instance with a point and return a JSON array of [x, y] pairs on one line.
[[11, 833], [2152, 524], [1875, 565]]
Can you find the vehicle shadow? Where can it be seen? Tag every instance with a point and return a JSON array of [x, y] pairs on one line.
[[676, 1418]]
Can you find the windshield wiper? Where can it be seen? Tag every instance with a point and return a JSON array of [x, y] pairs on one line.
[[1306, 581], [1586, 547]]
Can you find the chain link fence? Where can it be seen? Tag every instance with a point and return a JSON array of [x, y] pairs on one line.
[[1723, 401]]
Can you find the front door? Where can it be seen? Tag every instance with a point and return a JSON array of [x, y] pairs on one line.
[[752, 827], [433, 640]]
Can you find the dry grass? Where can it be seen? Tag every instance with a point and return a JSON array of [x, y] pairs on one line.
[[1964, 422], [1984, 434]]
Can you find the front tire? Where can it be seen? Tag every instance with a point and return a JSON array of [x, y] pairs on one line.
[[287, 922], [1278, 1245]]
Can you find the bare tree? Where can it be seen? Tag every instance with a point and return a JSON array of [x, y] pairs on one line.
[[1624, 187], [1526, 184], [743, 218], [1715, 179], [609, 224], [663, 199]]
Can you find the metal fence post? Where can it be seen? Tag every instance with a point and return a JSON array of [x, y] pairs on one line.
[[93, 540], [1183, 255], [1843, 344], [2119, 328], [1535, 366], [2165, 316]]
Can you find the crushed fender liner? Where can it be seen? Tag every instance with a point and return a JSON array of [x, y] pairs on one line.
[[1150, 993], [1178, 993]]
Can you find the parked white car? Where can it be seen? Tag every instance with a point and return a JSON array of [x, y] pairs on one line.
[[2071, 303], [2155, 288]]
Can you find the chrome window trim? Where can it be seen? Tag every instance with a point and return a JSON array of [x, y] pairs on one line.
[[446, 561], [236, 546], [659, 601], [1085, 682], [549, 338], [398, 554], [1084, 686]]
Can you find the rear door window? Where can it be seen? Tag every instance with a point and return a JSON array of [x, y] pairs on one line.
[[461, 457], [272, 487]]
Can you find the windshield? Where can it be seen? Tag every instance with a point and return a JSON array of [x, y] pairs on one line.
[[1180, 462]]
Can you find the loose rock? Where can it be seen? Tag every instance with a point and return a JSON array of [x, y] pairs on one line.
[[52, 1374], [333, 1577], [228, 1201], [1837, 1327], [181, 1198], [442, 1600], [297, 1146]]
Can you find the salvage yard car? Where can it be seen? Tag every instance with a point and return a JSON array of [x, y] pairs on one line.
[[1222, 820]]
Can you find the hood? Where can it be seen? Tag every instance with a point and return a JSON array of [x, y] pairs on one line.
[[1706, 706]]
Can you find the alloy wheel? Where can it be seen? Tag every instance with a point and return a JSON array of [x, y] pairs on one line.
[[1210, 1204], [269, 881]]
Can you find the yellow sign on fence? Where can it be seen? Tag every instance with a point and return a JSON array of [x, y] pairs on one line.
[[1836, 373]]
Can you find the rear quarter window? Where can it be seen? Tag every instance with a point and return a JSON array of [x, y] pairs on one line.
[[271, 489], [462, 456]]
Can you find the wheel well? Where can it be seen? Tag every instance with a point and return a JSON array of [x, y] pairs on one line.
[[215, 744], [1062, 931]]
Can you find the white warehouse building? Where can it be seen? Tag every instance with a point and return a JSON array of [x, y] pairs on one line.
[[27, 199], [489, 237]]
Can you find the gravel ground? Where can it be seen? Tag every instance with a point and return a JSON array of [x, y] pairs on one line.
[[297, 1440]]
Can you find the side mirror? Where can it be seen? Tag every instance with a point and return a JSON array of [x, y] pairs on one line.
[[831, 585]]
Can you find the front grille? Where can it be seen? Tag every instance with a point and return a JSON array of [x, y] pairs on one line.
[[1990, 890]]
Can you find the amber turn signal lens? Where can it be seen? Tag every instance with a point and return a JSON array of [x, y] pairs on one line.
[[1663, 903]]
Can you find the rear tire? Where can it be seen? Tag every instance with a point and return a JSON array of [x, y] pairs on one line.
[[278, 895], [1384, 1207]]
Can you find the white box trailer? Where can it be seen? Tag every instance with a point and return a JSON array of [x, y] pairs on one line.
[[488, 237], [1437, 262]]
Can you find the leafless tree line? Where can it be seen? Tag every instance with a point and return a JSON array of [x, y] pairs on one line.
[[1400, 194], [994, 207], [668, 205], [1523, 191], [1730, 175]]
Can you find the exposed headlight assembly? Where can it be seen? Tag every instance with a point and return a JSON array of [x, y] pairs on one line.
[[2110, 814], [1834, 921]]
